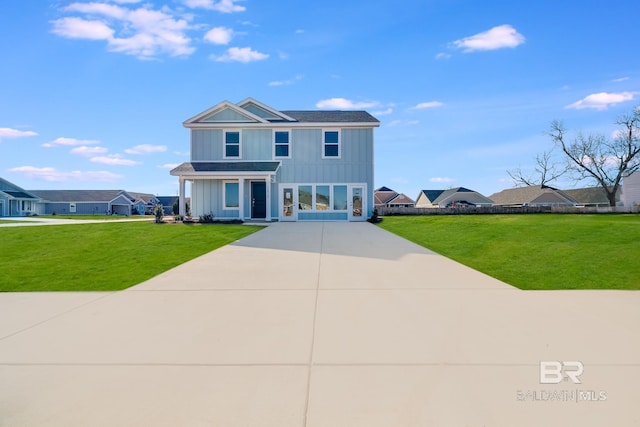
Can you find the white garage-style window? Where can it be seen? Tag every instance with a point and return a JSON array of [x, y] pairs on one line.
[[322, 197]]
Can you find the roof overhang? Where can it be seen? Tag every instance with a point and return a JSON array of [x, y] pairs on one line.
[[222, 170]]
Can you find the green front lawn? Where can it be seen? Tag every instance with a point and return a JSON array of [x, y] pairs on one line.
[[545, 251], [96, 217], [102, 257]]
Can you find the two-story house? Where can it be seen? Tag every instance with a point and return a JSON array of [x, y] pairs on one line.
[[250, 161]]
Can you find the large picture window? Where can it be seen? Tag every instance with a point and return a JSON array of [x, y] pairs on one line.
[[232, 144], [231, 195], [331, 144], [321, 197], [282, 146]]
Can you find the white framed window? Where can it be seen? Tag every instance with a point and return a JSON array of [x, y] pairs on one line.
[[231, 195], [282, 144], [232, 144], [331, 144]]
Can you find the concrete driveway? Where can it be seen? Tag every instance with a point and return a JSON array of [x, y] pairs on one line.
[[320, 324]]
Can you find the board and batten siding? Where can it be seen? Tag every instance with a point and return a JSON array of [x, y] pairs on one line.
[[631, 190], [206, 145]]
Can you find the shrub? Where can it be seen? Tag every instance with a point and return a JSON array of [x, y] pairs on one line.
[[158, 212], [206, 218]]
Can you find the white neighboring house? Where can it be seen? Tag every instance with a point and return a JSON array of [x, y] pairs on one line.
[[631, 190]]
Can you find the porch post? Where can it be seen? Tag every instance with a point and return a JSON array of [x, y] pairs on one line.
[[241, 198], [182, 210], [268, 197]]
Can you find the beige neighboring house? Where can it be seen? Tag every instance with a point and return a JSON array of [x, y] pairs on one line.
[[533, 195], [453, 197], [387, 198], [591, 197], [631, 190]]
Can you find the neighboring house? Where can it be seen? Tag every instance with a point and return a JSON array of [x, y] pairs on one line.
[[168, 202], [453, 197], [250, 161], [533, 195], [590, 197], [386, 197], [631, 190], [94, 202], [16, 201]]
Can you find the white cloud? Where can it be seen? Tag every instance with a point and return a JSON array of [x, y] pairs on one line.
[[78, 28], [285, 82], [499, 37], [383, 112], [146, 149], [402, 123], [142, 31], [442, 55], [430, 104], [15, 133], [51, 174], [83, 150], [169, 165], [345, 104], [219, 35], [602, 100], [240, 54], [114, 160], [69, 142], [621, 79], [224, 6], [441, 180]]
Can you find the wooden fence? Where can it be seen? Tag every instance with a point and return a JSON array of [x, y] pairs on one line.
[[382, 211]]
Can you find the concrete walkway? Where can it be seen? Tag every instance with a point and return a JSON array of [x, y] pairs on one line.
[[318, 324]]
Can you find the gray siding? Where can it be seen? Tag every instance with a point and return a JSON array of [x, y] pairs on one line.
[[62, 208], [226, 115], [206, 197], [206, 145], [257, 144]]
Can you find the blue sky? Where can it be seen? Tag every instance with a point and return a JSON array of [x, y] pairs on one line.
[[93, 93]]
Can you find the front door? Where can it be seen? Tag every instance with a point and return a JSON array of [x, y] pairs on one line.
[[357, 203], [258, 199]]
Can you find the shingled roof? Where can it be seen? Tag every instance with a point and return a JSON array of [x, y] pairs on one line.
[[232, 167], [331, 116], [532, 195]]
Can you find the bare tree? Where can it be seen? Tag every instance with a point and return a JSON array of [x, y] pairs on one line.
[[601, 159], [545, 172]]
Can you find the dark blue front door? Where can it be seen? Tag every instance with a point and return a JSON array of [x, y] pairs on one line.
[[258, 199]]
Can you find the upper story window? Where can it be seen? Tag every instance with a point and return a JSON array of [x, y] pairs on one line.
[[331, 144], [282, 146], [232, 144]]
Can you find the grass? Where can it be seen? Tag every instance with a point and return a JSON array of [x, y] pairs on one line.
[[102, 257], [546, 251], [95, 217]]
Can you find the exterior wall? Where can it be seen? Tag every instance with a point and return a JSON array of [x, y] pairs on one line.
[[206, 197], [306, 164], [631, 190], [423, 202], [62, 208], [3, 205], [206, 144]]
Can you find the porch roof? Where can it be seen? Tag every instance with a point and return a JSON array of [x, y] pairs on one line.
[[19, 194], [240, 168]]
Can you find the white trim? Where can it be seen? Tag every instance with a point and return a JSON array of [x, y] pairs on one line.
[[224, 144], [295, 188], [305, 125], [265, 107], [339, 156], [195, 120], [289, 144], [224, 195]]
